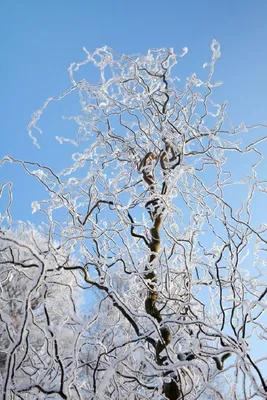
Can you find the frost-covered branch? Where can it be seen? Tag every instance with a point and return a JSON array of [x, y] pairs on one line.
[[155, 226]]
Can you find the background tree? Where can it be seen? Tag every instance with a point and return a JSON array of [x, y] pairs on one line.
[[39, 322], [151, 218]]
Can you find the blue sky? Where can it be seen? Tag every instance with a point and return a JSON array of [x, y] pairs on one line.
[[41, 38]]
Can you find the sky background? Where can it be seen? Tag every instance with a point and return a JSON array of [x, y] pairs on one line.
[[40, 39]]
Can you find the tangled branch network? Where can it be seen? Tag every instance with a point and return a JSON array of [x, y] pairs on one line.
[[156, 228]]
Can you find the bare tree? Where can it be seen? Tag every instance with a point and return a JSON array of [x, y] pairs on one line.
[[160, 226], [39, 321]]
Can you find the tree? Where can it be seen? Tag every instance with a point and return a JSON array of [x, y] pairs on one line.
[[159, 233], [39, 323]]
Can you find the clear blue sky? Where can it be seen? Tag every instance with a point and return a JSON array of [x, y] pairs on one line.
[[39, 40]]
